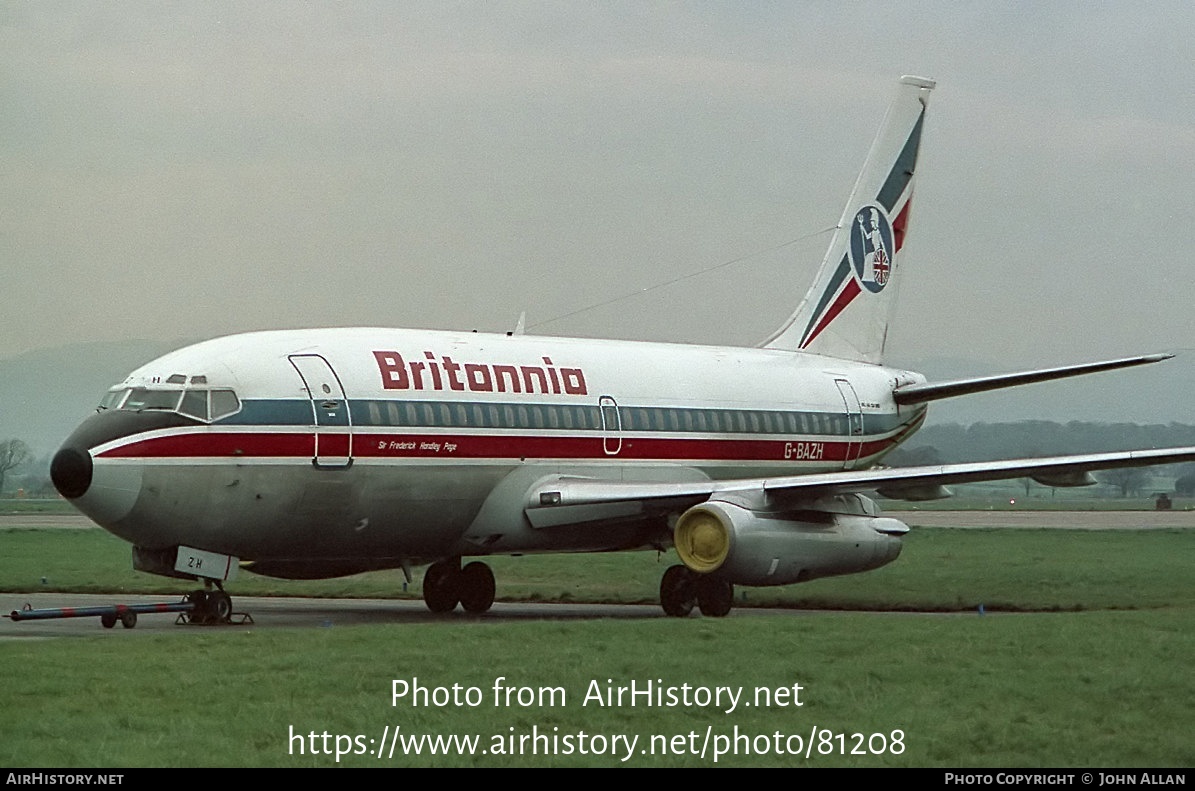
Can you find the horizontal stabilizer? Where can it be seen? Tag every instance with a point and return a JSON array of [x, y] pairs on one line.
[[933, 391]]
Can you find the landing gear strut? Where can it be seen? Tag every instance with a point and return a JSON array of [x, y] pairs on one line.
[[682, 589], [445, 584]]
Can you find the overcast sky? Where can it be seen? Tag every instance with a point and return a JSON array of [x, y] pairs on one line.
[[194, 169]]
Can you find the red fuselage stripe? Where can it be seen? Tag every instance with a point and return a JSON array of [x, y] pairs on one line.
[[246, 445]]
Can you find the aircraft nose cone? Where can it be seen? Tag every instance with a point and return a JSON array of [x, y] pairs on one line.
[[71, 472]]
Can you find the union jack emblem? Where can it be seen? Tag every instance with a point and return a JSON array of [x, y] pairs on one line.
[[880, 266]]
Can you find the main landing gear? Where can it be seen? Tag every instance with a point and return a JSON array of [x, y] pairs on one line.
[[446, 584], [681, 589]]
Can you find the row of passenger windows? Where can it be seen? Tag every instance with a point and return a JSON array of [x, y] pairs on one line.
[[590, 418], [203, 404]]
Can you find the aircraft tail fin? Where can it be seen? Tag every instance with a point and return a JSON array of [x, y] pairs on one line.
[[846, 312]]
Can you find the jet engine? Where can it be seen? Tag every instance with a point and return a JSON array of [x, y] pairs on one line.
[[752, 547]]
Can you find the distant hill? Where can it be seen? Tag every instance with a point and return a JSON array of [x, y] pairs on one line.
[[45, 393], [953, 442]]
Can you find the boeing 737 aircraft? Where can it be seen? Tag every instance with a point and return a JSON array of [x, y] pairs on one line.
[[326, 452]]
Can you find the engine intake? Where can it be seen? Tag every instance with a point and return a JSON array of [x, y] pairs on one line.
[[751, 548]]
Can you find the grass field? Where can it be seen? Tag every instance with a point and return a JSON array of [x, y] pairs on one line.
[[1096, 672], [938, 570]]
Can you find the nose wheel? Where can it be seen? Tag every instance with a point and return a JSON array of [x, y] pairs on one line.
[[209, 607]]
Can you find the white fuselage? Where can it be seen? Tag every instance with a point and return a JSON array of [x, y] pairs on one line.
[[381, 446]]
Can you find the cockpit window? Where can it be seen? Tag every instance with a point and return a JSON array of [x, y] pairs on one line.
[[140, 398], [113, 398], [194, 404], [202, 404], [224, 403]]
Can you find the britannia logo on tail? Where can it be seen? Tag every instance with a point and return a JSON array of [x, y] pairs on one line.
[[871, 248]]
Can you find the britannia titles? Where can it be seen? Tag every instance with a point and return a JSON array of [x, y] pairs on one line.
[[445, 373]]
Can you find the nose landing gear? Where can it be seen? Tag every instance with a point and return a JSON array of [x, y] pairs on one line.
[[211, 607]]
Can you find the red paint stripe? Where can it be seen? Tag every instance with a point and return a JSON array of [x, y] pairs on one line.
[[217, 445], [405, 446], [849, 292], [334, 445], [900, 225]]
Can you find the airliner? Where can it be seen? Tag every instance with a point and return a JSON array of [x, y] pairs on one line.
[[319, 453]]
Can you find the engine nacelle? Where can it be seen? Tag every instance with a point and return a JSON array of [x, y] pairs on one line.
[[751, 548]]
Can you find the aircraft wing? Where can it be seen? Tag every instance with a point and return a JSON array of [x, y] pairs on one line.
[[575, 500]]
